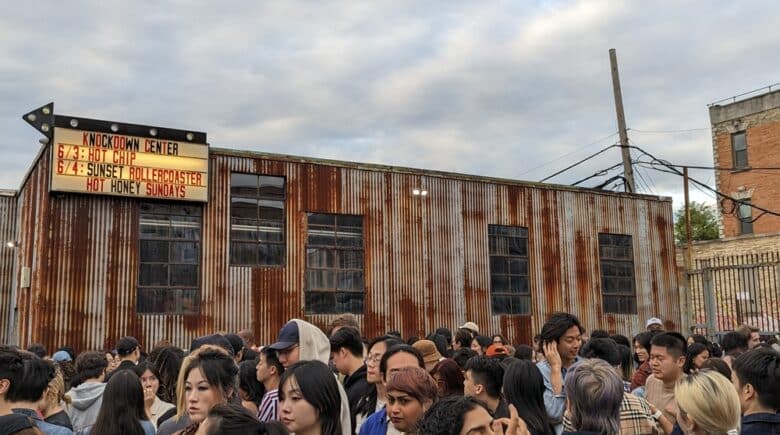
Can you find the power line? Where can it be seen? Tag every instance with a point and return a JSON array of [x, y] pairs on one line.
[[578, 163], [735, 201], [720, 168], [598, 174], [579, 150], [687, 130]]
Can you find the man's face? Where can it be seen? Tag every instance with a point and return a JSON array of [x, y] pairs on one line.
[[399, 361], [745, 392], [754, 340], [340, 360], [665, 365], [289, 356], [569, 344], [263, 370], [477, 422], [469, 386]]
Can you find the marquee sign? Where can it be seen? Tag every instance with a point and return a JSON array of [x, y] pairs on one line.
[[121, 160]]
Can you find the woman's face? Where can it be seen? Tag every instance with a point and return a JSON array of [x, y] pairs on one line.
[[405, 411], [476, 347], [200, 396], [641, 352], [295, 413], [497, 339], [150, 382], [700, 358], [372, 362]]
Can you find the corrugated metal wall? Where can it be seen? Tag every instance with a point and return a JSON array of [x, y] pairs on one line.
[[7, 257], [427, 262]]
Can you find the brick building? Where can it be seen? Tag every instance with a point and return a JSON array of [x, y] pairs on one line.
[[746, 138]]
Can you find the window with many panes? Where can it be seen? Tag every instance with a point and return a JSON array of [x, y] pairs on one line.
[[745, 217], [509, 288], [169, 258], [618, 287], [739, 149], [334, 264], [256, 220]]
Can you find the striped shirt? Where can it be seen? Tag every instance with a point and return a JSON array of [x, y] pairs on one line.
[[268, 410]]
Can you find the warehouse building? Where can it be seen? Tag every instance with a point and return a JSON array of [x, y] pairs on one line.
[[124, 229]]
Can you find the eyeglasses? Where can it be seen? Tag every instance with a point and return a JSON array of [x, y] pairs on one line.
[[374, 359]]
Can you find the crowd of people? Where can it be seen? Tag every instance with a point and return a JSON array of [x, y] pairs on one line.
[[338, 382]]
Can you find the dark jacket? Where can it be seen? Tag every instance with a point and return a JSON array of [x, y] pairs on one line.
[[764, 424], [356, 386]]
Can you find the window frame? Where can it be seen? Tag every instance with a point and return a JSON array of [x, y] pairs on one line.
[[745, 222], [336, 252], [523, 304], [160, 293], [258, 222], [617, 262], [735, 152]]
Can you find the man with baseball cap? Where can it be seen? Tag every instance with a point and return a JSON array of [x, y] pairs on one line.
[[299, 340], [654, 324], [471, 326]]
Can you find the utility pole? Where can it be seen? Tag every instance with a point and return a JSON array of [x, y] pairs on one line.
[[688, 232], [628, 170]]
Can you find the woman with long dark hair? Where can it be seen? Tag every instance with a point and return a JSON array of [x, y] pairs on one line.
[[150, 381], [250, 390], [233, 419], [448, 377], [122, 411], [695, 356], [309, 399], [524, 388], [167, 360]]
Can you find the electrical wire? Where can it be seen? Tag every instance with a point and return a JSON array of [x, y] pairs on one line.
[[687, 130], [578, 163], [578, 150], [735, 201], [598, 174]]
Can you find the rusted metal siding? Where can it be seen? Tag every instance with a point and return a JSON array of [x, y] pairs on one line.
[[426, 258], [7, 260]]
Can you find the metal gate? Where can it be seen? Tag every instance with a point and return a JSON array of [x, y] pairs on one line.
[[726, 292]]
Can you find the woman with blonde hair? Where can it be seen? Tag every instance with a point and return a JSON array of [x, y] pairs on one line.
[[707, 404], [52, 398]]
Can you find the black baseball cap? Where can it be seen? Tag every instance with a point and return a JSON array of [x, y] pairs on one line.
[[288, 337], [126, 345]]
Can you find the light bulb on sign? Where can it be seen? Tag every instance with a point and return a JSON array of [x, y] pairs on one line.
[[114, 128], [153, 131], [424, 193], [416, 192], [74, 123]]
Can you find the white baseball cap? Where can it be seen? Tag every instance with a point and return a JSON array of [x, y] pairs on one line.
[[653, 321], [471, 326]]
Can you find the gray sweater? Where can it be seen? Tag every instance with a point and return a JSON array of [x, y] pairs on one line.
[[85, 404]]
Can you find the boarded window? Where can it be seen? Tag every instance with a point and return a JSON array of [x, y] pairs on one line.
[[618, 287], [335, 265], [256, 220], [169, 259], [745, 217], [739, 148], [509, 286]]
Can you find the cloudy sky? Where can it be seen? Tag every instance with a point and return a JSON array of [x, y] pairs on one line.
[[515, 89]]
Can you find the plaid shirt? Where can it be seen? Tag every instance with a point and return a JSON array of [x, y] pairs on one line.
[[635, 418]]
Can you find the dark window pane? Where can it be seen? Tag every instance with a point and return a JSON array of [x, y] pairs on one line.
[[498, 265], [155, 208], [243, 253], [270, 254], [243, 208], [617, 273], [519, 284], [517, 246], [319, 239], [322, 219], [271, 232], [243, 184], [184, 275], [271, 210], [185, 252], [321, 302], [349, 302], [271, 186], [354, 240], [518, 266], [317, 279], [185, 227], [154, 251], [499, 283], [153, 274], [350, 221]]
